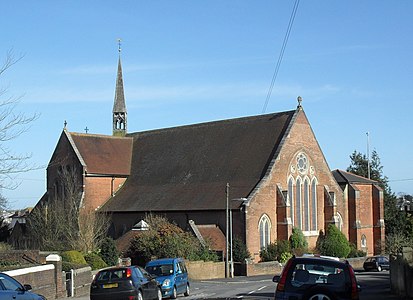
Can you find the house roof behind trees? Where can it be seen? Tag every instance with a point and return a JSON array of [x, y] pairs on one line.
[[188, 167], [346, 177]]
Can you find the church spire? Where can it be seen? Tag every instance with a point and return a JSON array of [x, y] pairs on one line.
[[119, 106]]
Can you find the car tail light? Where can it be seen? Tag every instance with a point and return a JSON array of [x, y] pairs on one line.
[[283, 279], [128, 273], [354, 288]]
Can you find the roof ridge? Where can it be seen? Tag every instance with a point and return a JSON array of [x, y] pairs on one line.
[[209, 123], [98, 135]]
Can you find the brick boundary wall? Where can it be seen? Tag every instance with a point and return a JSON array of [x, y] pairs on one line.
[[22, 256], [200, 270], [264, 268], [41, 278]]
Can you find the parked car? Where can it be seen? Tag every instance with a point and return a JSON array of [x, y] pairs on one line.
[[10, 288], [171, 274], [124, 283], [377, 263], [312, 278]]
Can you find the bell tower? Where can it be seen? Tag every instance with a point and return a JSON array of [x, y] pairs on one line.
[[119, 107]]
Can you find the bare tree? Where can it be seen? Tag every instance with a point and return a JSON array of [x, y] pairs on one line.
[[12, 125], [61, 223]]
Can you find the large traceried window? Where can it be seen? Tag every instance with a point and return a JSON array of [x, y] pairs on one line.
[[302, 193], [265, 229]]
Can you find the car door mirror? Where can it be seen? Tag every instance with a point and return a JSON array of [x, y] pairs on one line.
[[27, 287], [276, 278]]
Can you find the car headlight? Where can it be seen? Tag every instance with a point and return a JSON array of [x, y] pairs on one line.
[[166, 282]]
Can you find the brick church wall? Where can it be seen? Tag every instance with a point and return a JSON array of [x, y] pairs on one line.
[[300, 139]]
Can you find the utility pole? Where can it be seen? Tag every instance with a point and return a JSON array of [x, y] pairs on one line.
[[227, 233]]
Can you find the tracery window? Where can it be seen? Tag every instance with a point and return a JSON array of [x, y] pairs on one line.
[[264, 228], [302, 193]]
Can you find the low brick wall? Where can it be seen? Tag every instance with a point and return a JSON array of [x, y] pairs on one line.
[[22, 256], [356, 262], [41, 278], [264, 268], [200, 270]]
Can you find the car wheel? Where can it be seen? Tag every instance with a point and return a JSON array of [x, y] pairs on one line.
[[159, 294], [173, 296], [186, 294], [379, 268], [139, 296]]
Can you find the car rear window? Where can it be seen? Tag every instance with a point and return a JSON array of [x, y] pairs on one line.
[[311, 273], [111, 274], [161, 270]]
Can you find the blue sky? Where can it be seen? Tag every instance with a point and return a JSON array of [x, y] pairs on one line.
[[187, 62]]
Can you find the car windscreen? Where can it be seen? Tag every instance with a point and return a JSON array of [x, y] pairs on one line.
[[317, 273], [160, 270]]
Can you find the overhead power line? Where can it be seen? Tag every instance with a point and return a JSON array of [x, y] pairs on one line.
[[284, 45]]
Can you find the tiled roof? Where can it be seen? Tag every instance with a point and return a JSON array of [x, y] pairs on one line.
[[214, 236], [188, 167], [104, 154], [346, 177]]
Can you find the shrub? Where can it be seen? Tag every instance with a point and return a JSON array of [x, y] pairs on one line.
[[354, 252], [285, 256], [335, 243], [164, 239], [108, 252], [298, 242], [269, 253], [95, 261], [239, 250], [277, 251], [73, 256]]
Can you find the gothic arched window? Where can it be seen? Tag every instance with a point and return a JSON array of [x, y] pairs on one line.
[[298, 219], [291, 197], [264, 228], [314, 204], [306, 212]]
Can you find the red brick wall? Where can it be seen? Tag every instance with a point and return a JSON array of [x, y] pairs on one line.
[[300, 139], [99, 189]]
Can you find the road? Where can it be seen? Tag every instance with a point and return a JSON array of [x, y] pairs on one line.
[[375, 286]]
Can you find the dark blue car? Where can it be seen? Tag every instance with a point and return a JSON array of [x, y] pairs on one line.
[[172, 275]]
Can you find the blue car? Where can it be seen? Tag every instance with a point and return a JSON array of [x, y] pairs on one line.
[[172, 275], [10, 288]]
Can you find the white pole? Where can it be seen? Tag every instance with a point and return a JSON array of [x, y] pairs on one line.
[[232, 261], [368, 156], [227, 234]]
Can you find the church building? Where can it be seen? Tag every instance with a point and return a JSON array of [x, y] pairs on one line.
[[265, 173]]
